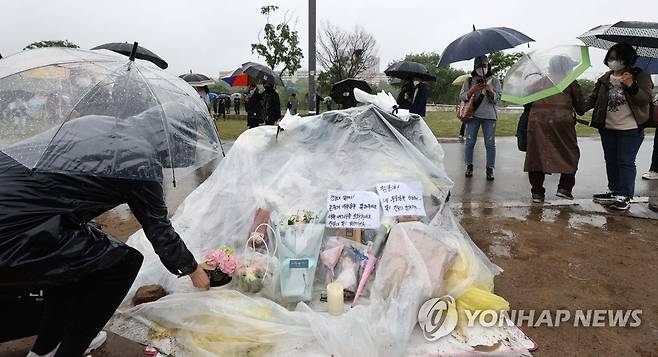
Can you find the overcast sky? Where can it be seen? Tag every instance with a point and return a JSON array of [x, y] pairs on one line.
[[212, 36]]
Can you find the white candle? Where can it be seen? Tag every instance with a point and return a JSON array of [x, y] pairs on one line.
[[335, 299]]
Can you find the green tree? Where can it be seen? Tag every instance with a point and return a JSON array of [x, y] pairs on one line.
[[57, 43], [279, 45], [501, 62], [442, 90]]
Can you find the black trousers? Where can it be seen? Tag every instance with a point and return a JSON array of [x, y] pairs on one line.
[[70, 315]]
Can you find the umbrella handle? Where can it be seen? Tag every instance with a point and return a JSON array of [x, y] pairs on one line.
[[133, 52]]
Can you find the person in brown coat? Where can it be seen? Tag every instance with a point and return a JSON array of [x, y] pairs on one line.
[[552, 142], [620, 100]]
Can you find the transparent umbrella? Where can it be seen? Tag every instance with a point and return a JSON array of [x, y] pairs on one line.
[[543, 73], [98, 113]]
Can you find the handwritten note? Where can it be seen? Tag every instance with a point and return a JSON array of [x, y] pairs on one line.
[[401, 198], [352, 209]]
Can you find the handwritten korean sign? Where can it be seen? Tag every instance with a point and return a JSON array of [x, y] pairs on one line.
[[401, 198], [352, 209]]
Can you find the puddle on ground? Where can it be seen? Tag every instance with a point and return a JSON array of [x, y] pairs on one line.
[[500, 250], [577, 220]]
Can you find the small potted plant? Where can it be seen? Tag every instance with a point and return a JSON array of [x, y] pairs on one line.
[[220, 265]]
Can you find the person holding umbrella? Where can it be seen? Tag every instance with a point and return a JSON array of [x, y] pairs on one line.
[[487, 91], [552, 141], [55, 181], [271, 104], [252, 105], [620, 100], [419, 98]]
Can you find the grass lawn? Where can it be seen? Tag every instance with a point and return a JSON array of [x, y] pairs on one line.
[[443, 125]]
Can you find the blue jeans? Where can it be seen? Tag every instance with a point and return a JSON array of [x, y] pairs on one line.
[[620, 148], [489, 129]]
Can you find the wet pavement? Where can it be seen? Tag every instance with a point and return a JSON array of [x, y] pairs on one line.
[[559, 255], [511, 182]]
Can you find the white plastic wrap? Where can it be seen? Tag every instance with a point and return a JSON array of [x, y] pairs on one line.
[[351, 150]]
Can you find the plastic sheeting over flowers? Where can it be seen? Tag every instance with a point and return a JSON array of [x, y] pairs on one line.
[[291, 172]]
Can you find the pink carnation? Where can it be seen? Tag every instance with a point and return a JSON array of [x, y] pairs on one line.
[[219, 259]]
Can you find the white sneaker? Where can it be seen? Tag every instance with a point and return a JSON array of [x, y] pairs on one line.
[[98, 341], [651, 175]]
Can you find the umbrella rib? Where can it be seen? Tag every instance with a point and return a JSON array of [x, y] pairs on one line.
[[164, 124]]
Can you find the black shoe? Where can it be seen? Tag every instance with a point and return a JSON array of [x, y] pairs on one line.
[[605, 198], [564, 194], [621, 203], [538, 197], [469, 171], [490, 175]]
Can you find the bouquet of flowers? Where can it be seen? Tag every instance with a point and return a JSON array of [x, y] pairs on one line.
[[220, 265], [256, 267]]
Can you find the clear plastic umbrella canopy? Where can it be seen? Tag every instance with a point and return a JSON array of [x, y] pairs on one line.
[[543, 73], [98, 113]]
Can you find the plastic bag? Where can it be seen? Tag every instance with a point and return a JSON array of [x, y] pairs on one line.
[[475, 299], [255, 269], [298, 250]]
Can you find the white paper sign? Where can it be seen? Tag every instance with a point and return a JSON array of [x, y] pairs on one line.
[[352, 209], [401, 198]]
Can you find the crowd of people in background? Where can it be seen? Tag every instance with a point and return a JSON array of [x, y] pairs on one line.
[[620, 101]]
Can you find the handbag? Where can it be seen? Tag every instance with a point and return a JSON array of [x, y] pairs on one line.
[[522, 129], [256, 269], [466, 109]]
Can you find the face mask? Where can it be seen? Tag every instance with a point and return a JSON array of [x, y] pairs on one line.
[[616, 65], [416, 83], [481, 71]]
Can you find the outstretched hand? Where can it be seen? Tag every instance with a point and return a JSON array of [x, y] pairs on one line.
[[200, 278]]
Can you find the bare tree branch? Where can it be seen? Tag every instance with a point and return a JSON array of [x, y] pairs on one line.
[[346, 54]]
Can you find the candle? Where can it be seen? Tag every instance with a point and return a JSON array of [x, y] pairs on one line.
[[335, 299]]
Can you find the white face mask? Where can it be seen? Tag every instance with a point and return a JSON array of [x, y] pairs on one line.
[[416, 83], [616, 65], [481, 71]]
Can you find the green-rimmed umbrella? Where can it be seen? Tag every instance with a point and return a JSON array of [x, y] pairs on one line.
[[541, 74]]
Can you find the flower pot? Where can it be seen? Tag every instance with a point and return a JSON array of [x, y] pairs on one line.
[[217, 277]]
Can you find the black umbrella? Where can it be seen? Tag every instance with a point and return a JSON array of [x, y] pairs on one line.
[[125, 49], [481, 42], [261, 73], [342, 92], [409, 70], [197, 79], [641, 35]]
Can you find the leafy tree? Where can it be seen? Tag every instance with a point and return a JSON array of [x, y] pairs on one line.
[[57, 43], [344, 54], [280, 45], [442, 90], [501, 62]]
